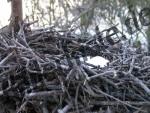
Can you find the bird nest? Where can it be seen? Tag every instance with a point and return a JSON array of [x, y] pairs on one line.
[[41, 72]]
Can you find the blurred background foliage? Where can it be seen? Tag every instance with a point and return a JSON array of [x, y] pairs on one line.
[[83, 12], [84, 15]]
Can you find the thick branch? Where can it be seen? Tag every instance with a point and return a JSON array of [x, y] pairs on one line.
[[16, 14]]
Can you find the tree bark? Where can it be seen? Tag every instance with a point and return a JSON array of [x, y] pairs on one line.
[[16, 15]]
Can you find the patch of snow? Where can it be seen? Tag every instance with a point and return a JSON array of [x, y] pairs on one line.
[[97, 61]]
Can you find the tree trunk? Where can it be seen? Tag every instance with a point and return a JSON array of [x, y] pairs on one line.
[[16, 14]]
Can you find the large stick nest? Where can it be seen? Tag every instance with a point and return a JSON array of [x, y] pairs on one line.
[[41, 72]]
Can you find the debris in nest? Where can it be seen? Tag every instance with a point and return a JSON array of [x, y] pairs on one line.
[[41, 72]]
